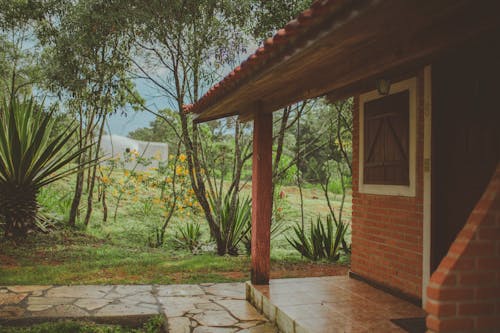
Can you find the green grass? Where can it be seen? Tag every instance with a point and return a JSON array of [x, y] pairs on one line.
[[154, 325], [116, 252], [62, 257]]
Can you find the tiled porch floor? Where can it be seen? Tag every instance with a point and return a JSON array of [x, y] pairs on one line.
[[329, 304]]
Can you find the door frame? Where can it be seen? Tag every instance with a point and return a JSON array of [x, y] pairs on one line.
[[427, 183]]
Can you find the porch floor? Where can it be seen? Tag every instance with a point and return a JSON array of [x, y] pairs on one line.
[[329, 304]]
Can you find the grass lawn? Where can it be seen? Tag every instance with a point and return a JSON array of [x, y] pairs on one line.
[[64, 257], [117, 252], [154, 325]]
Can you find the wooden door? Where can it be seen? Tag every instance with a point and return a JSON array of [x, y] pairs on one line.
[[466, 137]]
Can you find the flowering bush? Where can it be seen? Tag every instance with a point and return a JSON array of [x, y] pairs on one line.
[[158, 193]]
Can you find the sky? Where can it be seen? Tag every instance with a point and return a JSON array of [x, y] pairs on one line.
[[122, 123]]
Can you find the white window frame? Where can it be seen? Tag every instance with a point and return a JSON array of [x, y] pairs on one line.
[[396, 190]]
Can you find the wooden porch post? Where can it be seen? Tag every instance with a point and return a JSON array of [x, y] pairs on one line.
[[262, 197]]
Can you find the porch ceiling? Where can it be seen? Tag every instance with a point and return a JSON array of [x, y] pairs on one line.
[[342, 52]]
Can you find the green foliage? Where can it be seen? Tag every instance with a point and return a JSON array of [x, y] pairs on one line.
[[162, 129], [153, 325], [279, 221], [234, 222], [273, 15], [54, 204], [188, 236], [29, 160], [321, 242]]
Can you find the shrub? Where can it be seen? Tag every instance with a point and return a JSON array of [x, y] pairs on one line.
[[31, 157], [188, 236], [234, 221], [321, 242]]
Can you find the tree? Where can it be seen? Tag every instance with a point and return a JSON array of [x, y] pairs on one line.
[[186, 41], [159, 130], [19, 51], [88, 57]]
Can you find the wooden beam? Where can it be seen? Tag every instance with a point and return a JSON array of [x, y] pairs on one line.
[[361, 49], [262, 197]]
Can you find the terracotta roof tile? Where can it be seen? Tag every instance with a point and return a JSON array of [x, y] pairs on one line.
[[293, 36]]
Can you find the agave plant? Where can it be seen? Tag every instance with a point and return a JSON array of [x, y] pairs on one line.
[[30, 157], [321, 243], [233, 228]]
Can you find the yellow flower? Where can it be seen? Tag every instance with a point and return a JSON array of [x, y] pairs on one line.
[[179, 170], [105, 180], [126, 173], [182, 157], [168, 180]]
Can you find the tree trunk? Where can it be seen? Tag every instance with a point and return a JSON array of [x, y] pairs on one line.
[[77, 197], [90, 196]]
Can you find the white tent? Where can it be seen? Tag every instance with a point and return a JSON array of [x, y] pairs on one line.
[[114, 146]]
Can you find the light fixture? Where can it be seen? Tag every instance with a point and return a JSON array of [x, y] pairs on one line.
[[383, 86]]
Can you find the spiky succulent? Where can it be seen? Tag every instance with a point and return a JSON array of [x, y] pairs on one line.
[[30, 157]]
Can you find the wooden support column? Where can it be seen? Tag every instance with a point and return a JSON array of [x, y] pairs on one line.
[[262, 197]]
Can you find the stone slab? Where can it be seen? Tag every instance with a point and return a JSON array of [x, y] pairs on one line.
[[180, 290], [11, 312], [10, 298], [202, 329], [91, 304], [179, 325], [62, 311], [241, 309], [116, 310], [215, 318], [79, 291], [230, 290], [50, 300], [27, 289]]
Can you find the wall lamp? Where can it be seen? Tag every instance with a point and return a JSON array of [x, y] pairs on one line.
[[383, 86]]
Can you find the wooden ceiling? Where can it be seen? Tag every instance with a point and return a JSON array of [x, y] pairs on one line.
[[372, 40]]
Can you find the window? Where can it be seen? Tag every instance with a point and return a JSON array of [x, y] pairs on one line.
[[387, 141]]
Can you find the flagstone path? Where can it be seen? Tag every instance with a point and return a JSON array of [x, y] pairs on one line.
[[204, 308]]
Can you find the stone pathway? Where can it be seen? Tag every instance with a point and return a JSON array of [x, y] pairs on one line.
[[205, 308]]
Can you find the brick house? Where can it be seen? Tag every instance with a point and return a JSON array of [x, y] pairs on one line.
[[426, 142]]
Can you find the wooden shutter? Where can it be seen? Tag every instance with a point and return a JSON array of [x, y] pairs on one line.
[[386, 140]]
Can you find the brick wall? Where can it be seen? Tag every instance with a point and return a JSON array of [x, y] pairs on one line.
[[464, 292], [387, 230]]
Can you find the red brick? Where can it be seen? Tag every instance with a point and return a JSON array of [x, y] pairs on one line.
[[458, 246], [483, 293], [480, 249], [432, 323], [476, 278], [476, 309], [440, 309], [452, 324], [444, 278], [451, 294], [465, 264], [488, 322], [488, 263], [489, 233]]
